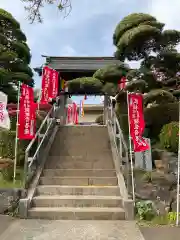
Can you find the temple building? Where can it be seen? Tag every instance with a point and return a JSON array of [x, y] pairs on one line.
[[76, 67]]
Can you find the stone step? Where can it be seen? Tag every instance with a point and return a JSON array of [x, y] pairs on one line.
[[79, 181], [65, 131], [76, 201], [71, 213], [79, 172], [81, 145], [106, 157], [84, 151], [96, 164], [78, 190]]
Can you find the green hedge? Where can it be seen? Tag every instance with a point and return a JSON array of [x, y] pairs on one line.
[[156, 117], [169, 136], [7, 141], [123, 121], [7, 146]]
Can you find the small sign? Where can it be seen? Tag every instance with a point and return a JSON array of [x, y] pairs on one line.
[[143, 160]]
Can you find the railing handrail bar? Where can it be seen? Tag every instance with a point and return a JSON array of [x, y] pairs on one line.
[[37, 150], [119, 128], [39, 130]]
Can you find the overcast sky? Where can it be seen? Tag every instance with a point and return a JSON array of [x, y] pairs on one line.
[[88, 29]]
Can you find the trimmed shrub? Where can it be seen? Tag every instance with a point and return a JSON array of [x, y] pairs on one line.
[[110, 89], [112, 73], [7, 173], [136, 85], [123, 121], [7, 146], [99, 119], [157, 116], [7, 140], [159, 96], [169, 136], [84, 85]]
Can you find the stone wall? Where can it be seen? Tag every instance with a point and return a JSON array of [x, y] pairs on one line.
[[9, 199]]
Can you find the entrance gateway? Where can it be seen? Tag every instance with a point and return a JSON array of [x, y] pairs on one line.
[[76, 67]]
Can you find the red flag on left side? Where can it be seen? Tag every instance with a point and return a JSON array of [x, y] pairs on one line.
[[27, 113], [50, 85], [54, 83], [45, 85]]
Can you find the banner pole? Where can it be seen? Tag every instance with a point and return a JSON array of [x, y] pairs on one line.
[[40, 94], [79, 113], [178, 175], [130, 149], [16, 139]]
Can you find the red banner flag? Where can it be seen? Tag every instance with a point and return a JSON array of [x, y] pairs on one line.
[[75, 113], [27, 113], [136, 121], [69, 113], [54, 83], [72, 113], [122, 83], [46, 89]]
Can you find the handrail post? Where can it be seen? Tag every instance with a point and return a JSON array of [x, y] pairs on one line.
[[26, 167], [105, 109], [120, 146]]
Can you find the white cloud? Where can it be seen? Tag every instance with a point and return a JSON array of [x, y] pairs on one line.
[[166, 11], [68, 51]]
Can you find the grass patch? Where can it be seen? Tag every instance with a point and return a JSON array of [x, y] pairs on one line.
[[156, 221], [4, 183]]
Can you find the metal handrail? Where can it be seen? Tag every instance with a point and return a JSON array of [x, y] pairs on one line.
[[41, 142], [39, 130], [115, 126], [28, 164], [120, 131]]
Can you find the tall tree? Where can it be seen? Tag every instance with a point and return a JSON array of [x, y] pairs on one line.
[[141, 37], [14, 56], [34, 7]]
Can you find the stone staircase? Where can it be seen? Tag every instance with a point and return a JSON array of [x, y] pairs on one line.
[[79, 180]]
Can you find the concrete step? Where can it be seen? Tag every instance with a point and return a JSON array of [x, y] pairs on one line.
[[89, 213], [80, 165], [79, 172], [82, 131], [92, 145], [79, 181], [76, 201], [84, 151], [78, 190], [107, 156]]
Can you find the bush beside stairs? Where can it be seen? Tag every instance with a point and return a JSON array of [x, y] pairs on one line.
[[79, 181]]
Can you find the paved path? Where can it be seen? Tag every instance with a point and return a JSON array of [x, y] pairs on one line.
[[5, 222], [89, 230], [68, 230], [161, 233]]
